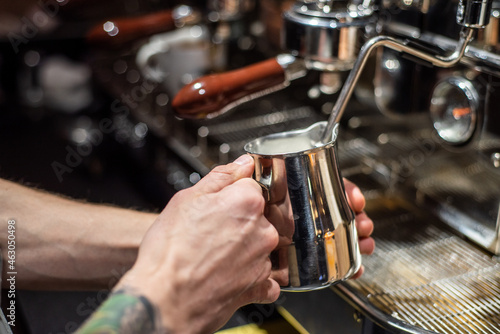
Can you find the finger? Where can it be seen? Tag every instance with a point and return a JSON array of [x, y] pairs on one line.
[[364, 225], [280, 217], [359, 273], [246, 205], [280, 269], [244, 199], [224, 175], [259, 272], [355, 197], [262, 293], [244, 186], [366, 246]]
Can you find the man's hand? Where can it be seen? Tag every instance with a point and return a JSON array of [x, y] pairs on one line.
[[183, 267], [195, 278], [364, 224]]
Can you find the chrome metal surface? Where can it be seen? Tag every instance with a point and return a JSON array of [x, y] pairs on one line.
[[424, 279], [474, 13], [454, 109], [293, 67], [184, 15], [476, 55], [326, 35], [302, 182], [466, 196], [392, 43], [229, 9], [421, 5]]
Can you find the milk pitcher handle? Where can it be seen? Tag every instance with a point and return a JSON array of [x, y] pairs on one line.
[[263, 175]]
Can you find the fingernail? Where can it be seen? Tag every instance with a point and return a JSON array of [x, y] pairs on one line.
[[243, 160]]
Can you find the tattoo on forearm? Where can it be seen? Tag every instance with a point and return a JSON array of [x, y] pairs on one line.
[[123, 313]]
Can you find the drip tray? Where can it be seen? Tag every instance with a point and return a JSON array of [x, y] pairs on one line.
[[423, 278]]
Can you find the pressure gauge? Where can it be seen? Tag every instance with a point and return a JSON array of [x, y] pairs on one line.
[[454, 108]]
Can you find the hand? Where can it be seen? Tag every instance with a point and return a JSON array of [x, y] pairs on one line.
[[364, 224], [207, 254]]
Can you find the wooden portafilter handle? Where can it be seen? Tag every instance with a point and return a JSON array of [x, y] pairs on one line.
[[215, 94], [119, 32]]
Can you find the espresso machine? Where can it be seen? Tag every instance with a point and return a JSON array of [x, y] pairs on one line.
[[413, 85]]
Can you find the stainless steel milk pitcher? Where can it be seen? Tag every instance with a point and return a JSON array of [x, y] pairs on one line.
[[307, 203]]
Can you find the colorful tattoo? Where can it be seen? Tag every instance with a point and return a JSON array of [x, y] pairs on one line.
[[123, 313]]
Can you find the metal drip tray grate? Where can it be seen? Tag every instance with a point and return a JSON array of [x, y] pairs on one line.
[[428, 277]]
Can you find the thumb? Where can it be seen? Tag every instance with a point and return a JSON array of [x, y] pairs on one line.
[[225, 175]]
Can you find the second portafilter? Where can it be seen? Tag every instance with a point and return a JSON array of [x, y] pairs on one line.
[[318, 35]]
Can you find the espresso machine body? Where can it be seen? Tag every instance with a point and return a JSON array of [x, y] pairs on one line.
[[414, 85], [416, 99], [459, 179], [418, 134]]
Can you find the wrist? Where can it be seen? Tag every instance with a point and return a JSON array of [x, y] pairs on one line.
[[172, 312], [124, 311]]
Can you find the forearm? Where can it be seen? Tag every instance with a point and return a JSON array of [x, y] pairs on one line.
[[65, 244]]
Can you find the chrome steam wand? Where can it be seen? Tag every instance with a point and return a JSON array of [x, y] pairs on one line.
[[471, 14]]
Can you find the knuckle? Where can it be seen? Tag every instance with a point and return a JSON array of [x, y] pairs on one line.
[[268, 239], [220, 170], [179, 198], [257, 200], [248, 192]]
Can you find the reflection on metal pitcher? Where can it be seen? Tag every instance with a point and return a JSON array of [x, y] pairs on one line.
[[307, 202]]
